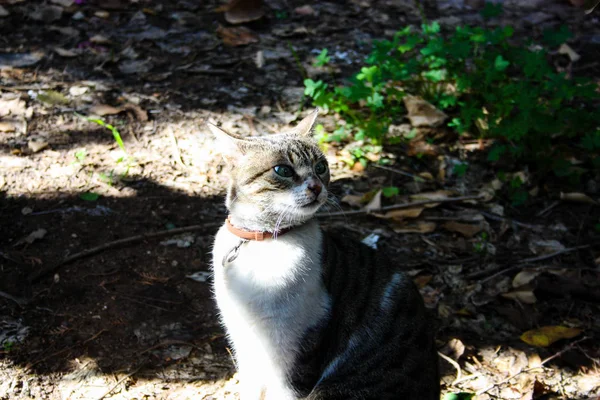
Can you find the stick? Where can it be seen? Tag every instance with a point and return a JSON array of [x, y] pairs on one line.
[[454, 364], [132, 239], [400, 172], [129, 375], [21, 302], [497, 217], [399, 206], [552, 357], [499, 270]]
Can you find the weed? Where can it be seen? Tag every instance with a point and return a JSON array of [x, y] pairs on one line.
[[114, 131], [81, 155], [8, 346], [490, 88]]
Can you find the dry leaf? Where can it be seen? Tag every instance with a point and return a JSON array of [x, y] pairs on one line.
[[103, 109], [545, 246], [402, 213], [140, 114], [416, 227], [65, 53], [240, 11], [423, 113], [546, 335], [454, 349], [577, 198], [421, 147], [236, 36], [422, 280], [353, 200], [32, 237], [305, 10], [467, 230], [566, 49], [7, 127], [439, 195], [524, 277], [37, 145], [525, 296], [375, 203]]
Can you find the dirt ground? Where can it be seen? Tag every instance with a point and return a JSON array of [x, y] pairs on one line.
[[136, 320]]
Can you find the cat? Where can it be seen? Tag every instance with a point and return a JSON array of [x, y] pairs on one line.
[[310, 315]]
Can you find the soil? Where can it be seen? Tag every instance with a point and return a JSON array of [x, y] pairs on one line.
[[137, 320]]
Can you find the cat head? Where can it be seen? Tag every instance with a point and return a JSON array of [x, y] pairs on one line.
[[276, 181]]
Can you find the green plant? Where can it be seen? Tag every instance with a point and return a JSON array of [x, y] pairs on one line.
[[8, 346], [322, 59], [489, 87], [390, 191], [81, 155], [114, 131]]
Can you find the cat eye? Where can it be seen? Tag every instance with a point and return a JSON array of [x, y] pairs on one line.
[[284, 171], [321, 168]]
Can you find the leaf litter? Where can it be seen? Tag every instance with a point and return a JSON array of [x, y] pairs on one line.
[[443, 241]]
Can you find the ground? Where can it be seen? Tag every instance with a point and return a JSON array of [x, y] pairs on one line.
[[137, 319]]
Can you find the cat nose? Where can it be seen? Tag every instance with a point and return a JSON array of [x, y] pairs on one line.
[[315, 187]]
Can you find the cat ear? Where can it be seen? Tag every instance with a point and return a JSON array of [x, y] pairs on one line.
[[304, 128], [229, 145]]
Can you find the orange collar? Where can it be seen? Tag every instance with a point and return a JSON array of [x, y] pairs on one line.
[[254, 235]]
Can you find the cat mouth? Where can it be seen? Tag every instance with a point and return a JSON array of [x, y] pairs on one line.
[[312, 204]]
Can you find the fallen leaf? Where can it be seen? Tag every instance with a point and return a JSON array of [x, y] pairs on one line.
[[577, 197], [99, 39], [524, 277], [304, 10], [14, 106], [103, 109], [64, 3], [467, 230], [65, 53], [454, 349], [545, 246], [37, 145], [240, 11], [236, 36], [417, 227], [18, 60], [200, 276], [375, 203], [402, 213], [46, 13], [438, 195], [523, 295], [566, 49], [32, 237], [422, 280], [140, 114], [7, 126], [421, 147], [3, 12], [129, 67], [353, 200], [422, 113], [546, 335], [52, 97], [78, 90], [102, 14]]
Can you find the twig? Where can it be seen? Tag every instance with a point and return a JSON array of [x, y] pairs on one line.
[[132, 239], [116, 385], [176, 151], [21, 302], [545, 210], [497, 217], [454, 364], [552, 357], [499, 270], [400, 172], [399, 206]]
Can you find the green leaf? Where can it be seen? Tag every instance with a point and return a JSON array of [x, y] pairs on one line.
[[555, 38], [460, 169], [500, 64], [376, 100], [367, 73], [496, 152], [390, 191], [322, 59], [459, 396], [491, 10], [89, 196]]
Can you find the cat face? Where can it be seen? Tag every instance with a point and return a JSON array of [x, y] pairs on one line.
[[277, 180]]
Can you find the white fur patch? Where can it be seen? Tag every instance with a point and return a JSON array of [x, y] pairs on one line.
[[269, 296]]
